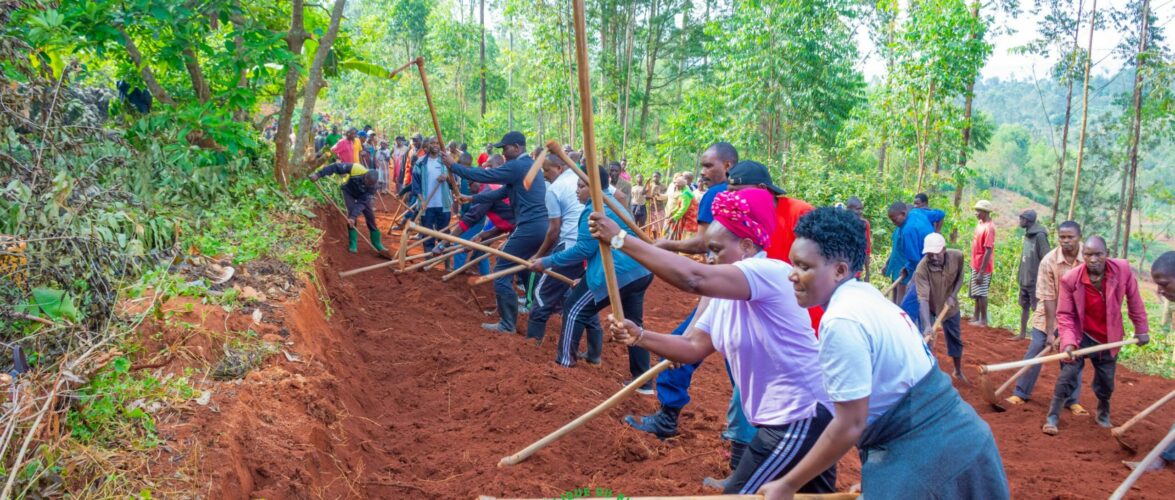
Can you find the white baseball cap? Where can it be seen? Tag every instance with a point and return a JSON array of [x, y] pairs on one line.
[[934, 243]]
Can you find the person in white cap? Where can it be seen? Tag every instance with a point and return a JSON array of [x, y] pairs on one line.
[[937, 280], [982, 257]]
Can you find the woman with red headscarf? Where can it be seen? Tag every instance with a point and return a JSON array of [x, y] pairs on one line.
[[753, 319]]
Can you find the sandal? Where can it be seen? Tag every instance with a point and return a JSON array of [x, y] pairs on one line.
[[1050, 429], [1078, 410]]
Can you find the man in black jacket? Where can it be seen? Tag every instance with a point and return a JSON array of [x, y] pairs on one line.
[[1036, 246], [530, 217], [358, 191]]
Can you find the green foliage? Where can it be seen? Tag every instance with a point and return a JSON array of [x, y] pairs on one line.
[[114, 408]]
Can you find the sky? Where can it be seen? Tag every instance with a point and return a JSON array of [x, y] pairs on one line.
[[1003, 64]]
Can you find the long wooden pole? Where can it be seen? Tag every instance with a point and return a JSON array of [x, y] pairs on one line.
[[593, 413], [436, 125], [589, 150], [403, 253], [1140, 469], [553, 147], [926, 339], [1055, 357], [483, 248], [1121, 429]]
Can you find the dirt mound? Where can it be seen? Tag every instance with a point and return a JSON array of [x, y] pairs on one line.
[[401, 394]]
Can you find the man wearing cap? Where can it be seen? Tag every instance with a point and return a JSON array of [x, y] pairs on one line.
[[937, 281], [1036, 246], [982, 257], [530, 217], [673, 384], [358, 192], [1089, 313]]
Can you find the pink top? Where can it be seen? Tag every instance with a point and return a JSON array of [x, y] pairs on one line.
[[345, 150], [773, 353], [984, 238], [1119, 286]]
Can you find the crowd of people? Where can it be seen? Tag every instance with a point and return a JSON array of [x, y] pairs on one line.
[[819, 360]]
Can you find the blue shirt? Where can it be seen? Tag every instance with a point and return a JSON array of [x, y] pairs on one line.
[[530, 205], [705, 214], [933, 215], [588, 248], [911, 236]]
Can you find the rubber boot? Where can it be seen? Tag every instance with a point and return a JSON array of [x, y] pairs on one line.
[[1054, 417], [352, 240], [377, 241], [662, 424], [1103, 413]]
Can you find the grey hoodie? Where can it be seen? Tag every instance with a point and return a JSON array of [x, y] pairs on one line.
[[1036, 245]]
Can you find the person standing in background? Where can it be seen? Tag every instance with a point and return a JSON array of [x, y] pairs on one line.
[[982, 261], [640, 212], [1036, 246]]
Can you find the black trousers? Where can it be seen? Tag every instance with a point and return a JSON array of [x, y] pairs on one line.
[[582, 308], [360, 206], [548, 300], [776, 450], [1104, 366]]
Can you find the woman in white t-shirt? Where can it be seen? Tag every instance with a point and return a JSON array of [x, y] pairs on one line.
[[753, 319], [917, 438]]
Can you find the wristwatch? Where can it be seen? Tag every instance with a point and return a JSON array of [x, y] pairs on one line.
[[618, 240]]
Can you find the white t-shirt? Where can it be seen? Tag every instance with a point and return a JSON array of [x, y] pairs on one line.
[[870, 347], [769, 343], [435, 169], [562, 202]]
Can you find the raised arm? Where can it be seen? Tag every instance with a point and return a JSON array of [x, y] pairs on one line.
[[717, 281]]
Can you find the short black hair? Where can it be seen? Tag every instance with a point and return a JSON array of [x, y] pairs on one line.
[[1070, 225], [922, 198], [1164, 265], [465, 159], [839, 233], [725, 151], [897, 206], [603, 178]]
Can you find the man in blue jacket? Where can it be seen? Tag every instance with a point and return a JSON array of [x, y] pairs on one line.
[[590, 296], [530, 217], [912, 228]]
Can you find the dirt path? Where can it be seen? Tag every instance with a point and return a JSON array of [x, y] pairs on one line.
[[400, 394]]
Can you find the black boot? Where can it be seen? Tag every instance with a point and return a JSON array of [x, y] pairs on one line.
[[1103, 413], [662, 424]]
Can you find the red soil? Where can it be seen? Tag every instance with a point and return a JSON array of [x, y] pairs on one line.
[[400, 394]]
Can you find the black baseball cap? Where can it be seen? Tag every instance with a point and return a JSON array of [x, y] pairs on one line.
[[512, 137], [749, 172]]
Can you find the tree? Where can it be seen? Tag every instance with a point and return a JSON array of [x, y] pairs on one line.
[[1084, 110], [295, 39], [314, 83]]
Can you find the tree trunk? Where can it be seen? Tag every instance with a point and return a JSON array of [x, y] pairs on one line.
[[1125, 177], [1084, 113], [627, 76], [1136, 133], [314, 83], [651, 48], [238, 22], [970, 96], [132, 50], [294, 41], [1065, 127], [924, 136], [482, 72], [199, 84]]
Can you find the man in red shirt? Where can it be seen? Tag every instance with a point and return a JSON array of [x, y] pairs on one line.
[[752, 174], [982, 255], [1089, 313]]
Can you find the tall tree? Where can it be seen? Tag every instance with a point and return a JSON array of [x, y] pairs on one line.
[[295, 38], [1136, 125], [314, 83], [482, 58], [1084, 111]]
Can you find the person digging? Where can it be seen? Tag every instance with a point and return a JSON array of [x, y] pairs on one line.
[[1089, 313], [359, 189], [937, 280], [1163, 274]]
